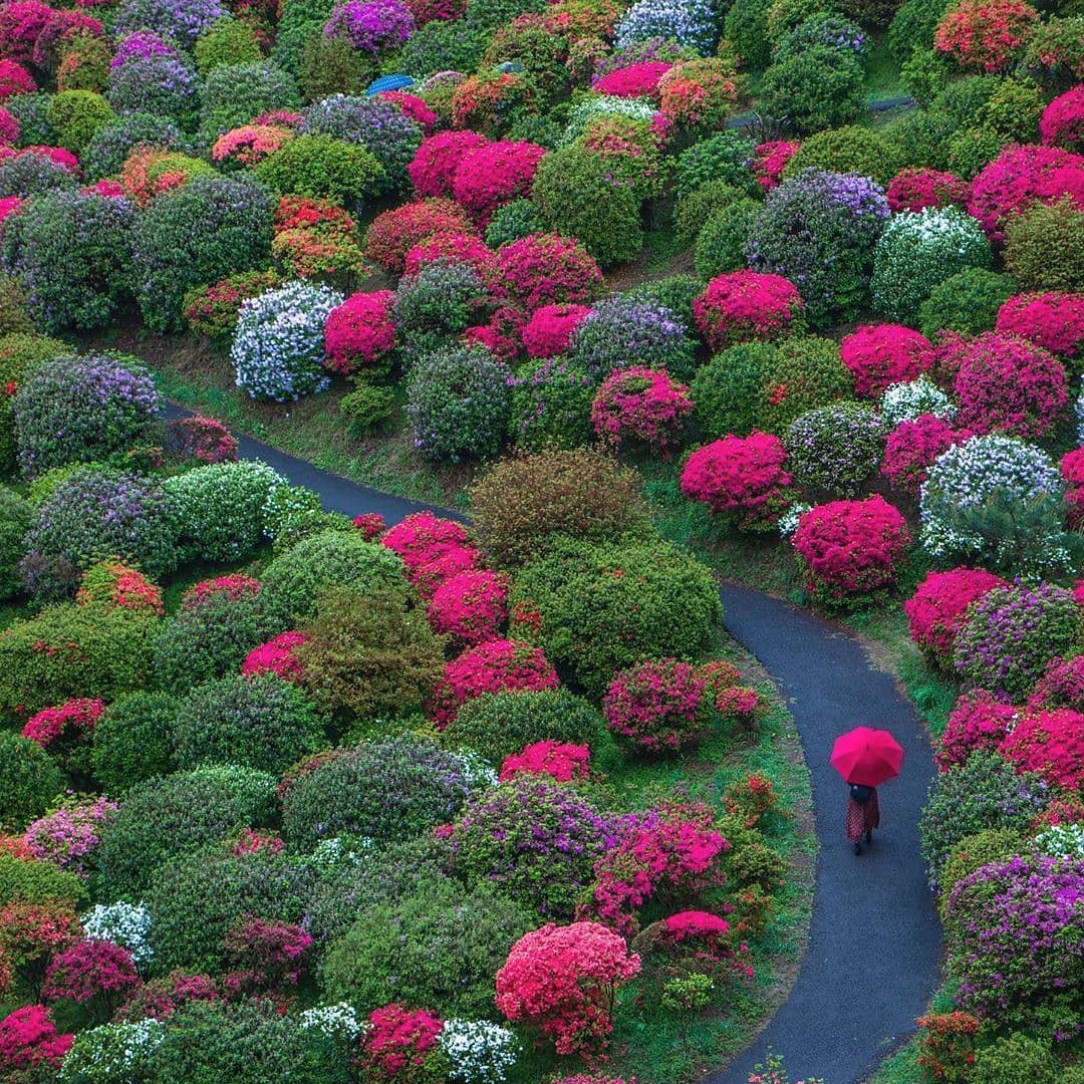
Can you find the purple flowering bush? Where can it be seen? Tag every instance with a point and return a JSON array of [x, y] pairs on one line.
[[161, 84], [623, 332], [372, 26], [107, 151], [819, 230], [1016, 939], [81, 409], [1011, 634], [535, 839], [70, 834], [551, 404], [32, 174], [181, 20], [140, 45]]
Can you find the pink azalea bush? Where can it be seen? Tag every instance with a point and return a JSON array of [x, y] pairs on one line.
[[371, 525], [1050, 743], [493, 174], [1062, 122], [1054, 321], [918, 187], [770, 159], [550, 329], [914, 446], [277, 656], [360, 333], [29, 1040], [978, 722], [393, 233], [470, 606], [232, 587], [431, 575], [635, 81], [744, 305], [640, 404], [850, 548], [878, 355], [95, 973], [545, 269], [458, 247], [659, 705], [14, 79], [936, 611], [1072, 470], [398, 1042], [560, 760], [65, 730], [250, 144], [422, 537], [412, 107], [740, 477], [1061, 686], [985, 34], [432, 169]]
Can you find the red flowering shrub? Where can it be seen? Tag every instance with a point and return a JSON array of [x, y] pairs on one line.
[[1019, 177], [234, 586], [428, 11], [740, 477], [640, 404], [21, 24], [95, 973], [111, 583], [850, 548], [636, 81], [61, 730], [917, 187], [250, 842], [422, 536], [545, 269], [935, 612], [276, 657], [29, 934], [471, 606], [394, 233], [693, 941], [1009, 384], [306, 212], [455, 248], [266, 954], [433, 574], [371, 525], [741, 704], [9, 127], [1060, 811], [978, 722], [1050, 743], [412, 107], [432, 170], [360, 332], [658, 705], [882, 354], [744, 305], [913, 447], [561, 981], [250, 144], [560, 760], [398, 1043], [1062, 122], [14, 79], [675, 851], [28, 1039], [770, 159], [1062, 686], [491, 667], [493, 174], [699, 95], [1054, 321], [202, 439], [501, 335], [550, 329], [985, 34], [946, 1049]]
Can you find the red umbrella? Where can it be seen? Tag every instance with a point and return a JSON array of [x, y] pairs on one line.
[[866, 756]]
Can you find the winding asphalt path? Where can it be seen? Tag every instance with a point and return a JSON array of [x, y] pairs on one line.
[[874, 945]]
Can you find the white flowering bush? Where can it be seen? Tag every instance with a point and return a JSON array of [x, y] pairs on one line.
[[113, 1053], [603, 105], [477, 771], [997, 501], [689, 22], [221, 508], [905, 402], [919, 250], [287, 508], [788, 521], [334, 851], [339, 1021], [125, 924], [278, 344], [1061, 841], [479, 1052]]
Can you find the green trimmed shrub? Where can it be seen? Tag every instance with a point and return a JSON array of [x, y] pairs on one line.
[[20, 355], [925, 75], [729, 390], [807, 373], [14, 314], [746, 28], [963, 99], [133, 740], [435, 306], [233, 94], [695, 208], [1013, 111], [847, 150], [816, 89], [1044, 247], [967, 302], [512, 222], [592, 623], [442, 46], [323, 167], [15, 517], [333, 66], [1015, 1059], [551, 405], [77, 116], [226, 41], [388, 954], [720, 244], [107, 151], [968, 150], [42, 882], [258, 721], [724, 158], [175, 814], [29, 781]]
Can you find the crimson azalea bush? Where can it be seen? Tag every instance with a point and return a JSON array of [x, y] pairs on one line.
[[551, 329], [879, 355], [459, 247], [985, 34], [561, 760], [1061, 686], [360, 333], [1051, 744], [276, 657], [492, 174], [917, 187], [1054, 321], [561, 980], [850, 548], [470, 606], [742, 478], [432, 170], [771, 159], [28, 1037], [422, 537], [913, 447], [937, 609], [744, 305], [1008, 384], [491, 667], [977, 723], [640, 405], [95, 973], [545, 269], [395, 232], [1062, 122], [659, 705], [634, 81], [398, 1043]]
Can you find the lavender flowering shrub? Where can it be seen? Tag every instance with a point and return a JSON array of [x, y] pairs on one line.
[[824, 29], [378, 125], [819, 230], [836, 447], [140, 45], [32, 175], [688, 22], [113, 142], [1011, 634], [72, 254], [1016, 939], [551, 404], [70, 834], [622, 332], [371, 25], [81, 409], [278, 344], [181, 20], [161, 84]]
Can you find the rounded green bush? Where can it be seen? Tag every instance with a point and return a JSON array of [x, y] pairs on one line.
[[78, 116], [1013, 111], [14, 315], [435, 306], [20, 355], [258, 721], [332, 66], [963, 99], [594, 623], [551, 405], [576, 196], [172, 815], [293, 581], [39, 882], [512, 222], [442, 46], [388, 954], [15, 517], [386, 790], [694, 209], [967, 302], [323, 167], [847, 150], [836, 448], [729, 391], [723, 158], [107, 151], [1015, 1059], [746, 28], [968, 150], [807, 373], [720, 244], [816, 89], [1044, 247], [133, 740], [232, 94], [29, 781], [226, 41], [496, 725]]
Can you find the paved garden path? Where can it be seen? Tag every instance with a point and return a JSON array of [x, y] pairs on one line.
[[874, 946]]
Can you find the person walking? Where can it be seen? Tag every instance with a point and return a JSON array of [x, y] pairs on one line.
[[863, 814]]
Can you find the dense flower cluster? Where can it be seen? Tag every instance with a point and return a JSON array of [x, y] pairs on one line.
[[771, 160], [561, 760], [491, 174], [659, 705], [398, 1041], [986, 34], [913, 447], [977, 723], [470, 606], [918, 187], [633, 81], [1054, 321], [276, 657], [433, 167], [360, 332], [1062, 122], [70, 834], [72, 721], [371, 25], [545, 269], [395, 232], [879, 355], [744, 305], [550, 329], [1061, 686], [640, 404], [937, 609]]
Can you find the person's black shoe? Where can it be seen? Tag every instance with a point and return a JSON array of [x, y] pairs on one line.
[[858, 848], [869, 836]]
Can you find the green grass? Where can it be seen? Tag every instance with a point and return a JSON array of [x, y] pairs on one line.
[[882, 73]]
